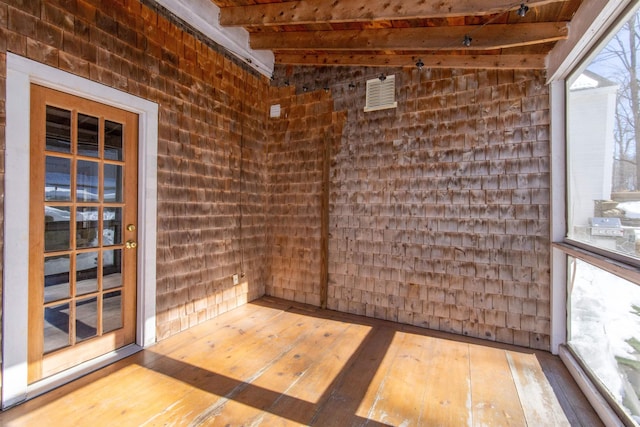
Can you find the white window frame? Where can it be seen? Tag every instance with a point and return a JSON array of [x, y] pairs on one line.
[[21, 73], [593, 21]]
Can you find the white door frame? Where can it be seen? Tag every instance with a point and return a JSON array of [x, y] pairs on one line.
[[21, 72]]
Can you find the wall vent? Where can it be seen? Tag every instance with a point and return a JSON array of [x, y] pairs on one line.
[[381, 94], [274, 111]]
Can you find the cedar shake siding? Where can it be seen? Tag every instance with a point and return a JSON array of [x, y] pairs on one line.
[[210, 108], [439, 209], [434, 214]]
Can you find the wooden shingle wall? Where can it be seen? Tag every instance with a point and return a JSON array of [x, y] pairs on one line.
[[439, 209], [209, 107], [297, 140]]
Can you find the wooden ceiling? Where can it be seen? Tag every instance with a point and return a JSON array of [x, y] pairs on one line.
[[403, 32]]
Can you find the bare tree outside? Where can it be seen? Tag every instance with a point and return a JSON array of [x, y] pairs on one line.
[[618, 62], [603, 181]]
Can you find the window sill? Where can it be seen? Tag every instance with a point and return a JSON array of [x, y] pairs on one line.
[[608, 263], [600, 402]]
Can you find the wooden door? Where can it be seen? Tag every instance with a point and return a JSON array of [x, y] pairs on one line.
[[82, 231]]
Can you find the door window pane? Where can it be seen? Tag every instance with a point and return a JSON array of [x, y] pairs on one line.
[[112, 183], [112, 311], [87, 181], [112, 233], [57, 228], [112, 140], [56, 327], [56, 278], [57, 185], [86, 272], [58, 130], [79, 294], [86, 318], [87, 227], [88, 135], [111, 269]]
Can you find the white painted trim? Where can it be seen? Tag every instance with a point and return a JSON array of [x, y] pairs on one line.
[[16, 240], [147, 225], [558, 214], [204, 16], [21, 72], [598, 402], [592, 20]]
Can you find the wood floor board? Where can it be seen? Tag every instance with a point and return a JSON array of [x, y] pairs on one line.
[[276, 363], [156, 394], [574, 405], [493, 389], [448, 394], [539, 402], [322, 368], [341, 403], [399, 396], [152, 392], [228, 368], [224, 326], [275, 380]]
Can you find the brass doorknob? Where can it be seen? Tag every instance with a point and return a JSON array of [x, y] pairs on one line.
[[131, 227], [130, 244]]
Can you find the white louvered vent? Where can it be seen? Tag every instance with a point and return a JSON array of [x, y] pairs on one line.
[[381, 94]]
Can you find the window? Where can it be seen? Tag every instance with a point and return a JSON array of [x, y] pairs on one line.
[[603, 216], [603, 179], [605, 331]]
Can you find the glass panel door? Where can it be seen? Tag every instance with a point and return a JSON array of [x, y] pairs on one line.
[[83, 207]]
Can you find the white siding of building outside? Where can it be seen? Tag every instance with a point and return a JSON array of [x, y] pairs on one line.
[[591, 142]]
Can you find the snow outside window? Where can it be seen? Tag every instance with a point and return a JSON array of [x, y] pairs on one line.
[[605, 331], [603, 214]]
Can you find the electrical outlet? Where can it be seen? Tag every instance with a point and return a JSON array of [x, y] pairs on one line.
[[235, 279]]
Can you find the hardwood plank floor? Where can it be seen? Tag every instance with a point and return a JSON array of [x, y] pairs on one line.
[[273, 362]]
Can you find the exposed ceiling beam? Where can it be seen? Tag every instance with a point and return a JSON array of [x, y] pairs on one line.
[[423, 38], [323, 11], [430, 61]]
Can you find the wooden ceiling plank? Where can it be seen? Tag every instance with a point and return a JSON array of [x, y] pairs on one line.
[[340, 11], [424, 38], [430, 61]]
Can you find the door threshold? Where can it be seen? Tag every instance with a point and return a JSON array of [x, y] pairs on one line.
[[71, 374]]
